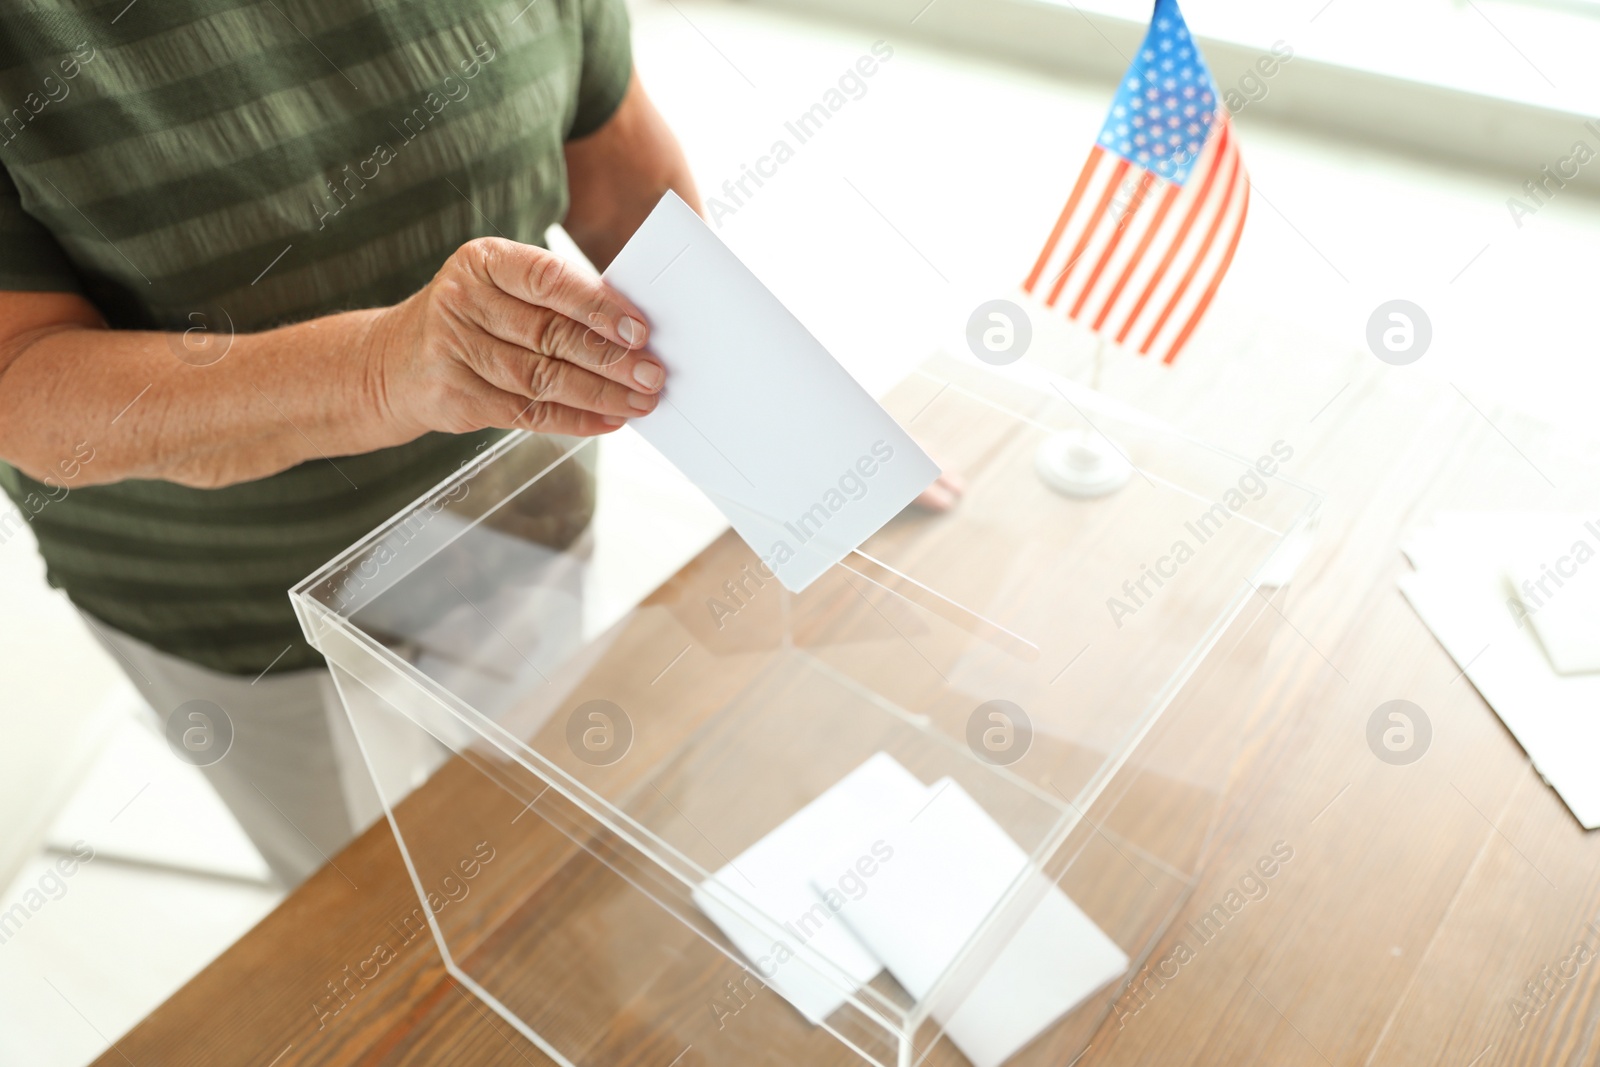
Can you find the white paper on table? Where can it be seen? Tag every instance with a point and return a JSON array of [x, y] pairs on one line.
[[1460, 592], [951, 866], [1563, 608], [802, 460], [764, 896], [1533, 548]]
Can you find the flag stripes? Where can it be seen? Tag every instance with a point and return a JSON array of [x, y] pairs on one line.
[[1140, 257]]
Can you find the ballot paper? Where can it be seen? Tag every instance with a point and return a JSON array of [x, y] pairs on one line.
[[765, 903], [951, 866], [1461, 591], [801, 459], [1555, 582]]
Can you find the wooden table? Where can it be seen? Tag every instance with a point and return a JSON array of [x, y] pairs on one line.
[[1419, 901]]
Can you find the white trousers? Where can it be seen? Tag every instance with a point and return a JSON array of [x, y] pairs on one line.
[[293, 775]]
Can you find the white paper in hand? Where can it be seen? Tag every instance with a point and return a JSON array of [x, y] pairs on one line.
[[801, 459]]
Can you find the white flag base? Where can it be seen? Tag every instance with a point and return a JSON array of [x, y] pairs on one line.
[[1081, 463]]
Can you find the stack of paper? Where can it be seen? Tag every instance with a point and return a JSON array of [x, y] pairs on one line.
[[1514, 597], [882, 871]]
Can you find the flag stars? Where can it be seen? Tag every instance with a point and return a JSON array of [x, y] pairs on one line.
[[1164, 109]]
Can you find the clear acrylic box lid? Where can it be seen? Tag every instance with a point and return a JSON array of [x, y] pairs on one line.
[[692, 721]]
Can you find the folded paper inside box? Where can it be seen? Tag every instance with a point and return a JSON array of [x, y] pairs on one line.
[[884, 872]]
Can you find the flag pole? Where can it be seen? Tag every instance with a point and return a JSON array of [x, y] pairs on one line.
[[1082, 462]]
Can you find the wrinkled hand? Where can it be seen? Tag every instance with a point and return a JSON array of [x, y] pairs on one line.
[[512, 336]]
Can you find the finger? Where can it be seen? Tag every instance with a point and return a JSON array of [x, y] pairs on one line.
[[514, 369], [936, 498], [558, 418], [537, 276], [548, 332], [561, 337], [509, 411]]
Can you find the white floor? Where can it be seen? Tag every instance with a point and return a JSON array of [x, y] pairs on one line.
[[920, 199], [112, 938]]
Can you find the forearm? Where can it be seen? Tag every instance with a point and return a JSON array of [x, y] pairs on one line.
[[617, 174], [274, 399], [505, 336]]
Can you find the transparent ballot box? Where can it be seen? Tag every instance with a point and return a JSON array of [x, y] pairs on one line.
[[939, 807]]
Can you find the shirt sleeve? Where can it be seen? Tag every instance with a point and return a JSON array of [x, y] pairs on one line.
[[31, 259], [607, 65]]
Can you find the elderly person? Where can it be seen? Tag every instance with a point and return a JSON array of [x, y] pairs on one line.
[[267, 273]]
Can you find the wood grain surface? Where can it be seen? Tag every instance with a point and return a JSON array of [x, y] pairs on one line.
[[1417, 903]]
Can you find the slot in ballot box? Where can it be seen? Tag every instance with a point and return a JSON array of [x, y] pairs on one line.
[[936, 808]]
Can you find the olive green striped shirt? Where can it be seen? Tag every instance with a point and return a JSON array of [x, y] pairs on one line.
[[207, 165]]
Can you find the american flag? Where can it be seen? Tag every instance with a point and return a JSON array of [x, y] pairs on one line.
[[1154, 218]]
